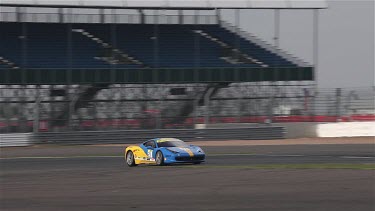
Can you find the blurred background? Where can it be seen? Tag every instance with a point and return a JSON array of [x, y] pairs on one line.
[[102, 68]]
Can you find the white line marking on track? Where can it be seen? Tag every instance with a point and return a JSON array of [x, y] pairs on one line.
[[267, 155], [355, 157], [286, 155]]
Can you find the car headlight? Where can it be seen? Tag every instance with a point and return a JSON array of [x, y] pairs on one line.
[[199, 150]]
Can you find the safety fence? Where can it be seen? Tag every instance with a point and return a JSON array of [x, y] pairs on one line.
[[138, 107]]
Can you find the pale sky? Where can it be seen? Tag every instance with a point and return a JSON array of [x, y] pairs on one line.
[[346, 39]]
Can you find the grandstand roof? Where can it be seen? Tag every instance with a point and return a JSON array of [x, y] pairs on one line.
[[172, 4]]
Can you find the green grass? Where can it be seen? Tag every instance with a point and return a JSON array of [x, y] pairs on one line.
[[293, 166]]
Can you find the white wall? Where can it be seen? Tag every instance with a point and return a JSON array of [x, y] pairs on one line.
[[346, 129], [314, 129]]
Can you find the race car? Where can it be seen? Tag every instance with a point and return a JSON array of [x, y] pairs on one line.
[[163, 151]]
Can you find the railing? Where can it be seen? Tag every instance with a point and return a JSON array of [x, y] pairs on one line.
[[132, 107], [113, 75], [106, 18]]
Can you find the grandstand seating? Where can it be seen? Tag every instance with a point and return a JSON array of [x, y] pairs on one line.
[[6, 63], [46, 45], [2, 65]]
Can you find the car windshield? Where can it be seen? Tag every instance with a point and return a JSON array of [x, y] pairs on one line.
[[171, 143]]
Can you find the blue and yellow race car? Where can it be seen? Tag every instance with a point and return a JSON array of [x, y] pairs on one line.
[[162, 151]]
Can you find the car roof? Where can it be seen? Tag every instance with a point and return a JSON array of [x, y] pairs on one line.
[[165, 139], [159, 140]]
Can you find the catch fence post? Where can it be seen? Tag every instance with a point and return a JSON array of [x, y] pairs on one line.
[[239, 105], [207, 106], [37, 111], [314, 98], [270, 110], [338, 104]]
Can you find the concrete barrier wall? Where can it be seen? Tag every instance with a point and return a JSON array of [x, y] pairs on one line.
[[335, 129], [15, 140], [346, 129], [300, 129]]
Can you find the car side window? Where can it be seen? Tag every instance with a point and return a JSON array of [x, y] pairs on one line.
[[150, 144]]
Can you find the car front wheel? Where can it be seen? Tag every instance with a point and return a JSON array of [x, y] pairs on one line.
[[159, 158], [130, 159]]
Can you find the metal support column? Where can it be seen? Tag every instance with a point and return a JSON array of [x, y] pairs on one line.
[[196, 66], [142, 16], [24, 52], [180, 17], [277, 28], [196, 48], [69, 52], [61, 15], [18, 15], [113, 32], [315, 58], [237, 42], [316, 46], [218, 16], [102, 16], [276, 39], [156, 45], [69, 49]]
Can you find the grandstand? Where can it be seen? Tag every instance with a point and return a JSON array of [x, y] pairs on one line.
[[90, 46], [63, 47]]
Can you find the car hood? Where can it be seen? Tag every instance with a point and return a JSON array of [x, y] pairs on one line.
[[189, 149]]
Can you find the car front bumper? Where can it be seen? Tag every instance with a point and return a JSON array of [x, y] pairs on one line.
[[185, 159]]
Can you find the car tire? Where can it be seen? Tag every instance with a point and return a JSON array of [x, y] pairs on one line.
[[197, 163], [159, 158], [130, 159]]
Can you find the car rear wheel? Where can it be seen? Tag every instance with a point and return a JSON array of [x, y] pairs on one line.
[[130, 159], [159, 158]]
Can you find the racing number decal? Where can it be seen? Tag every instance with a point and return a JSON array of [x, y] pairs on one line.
[[149, 153]]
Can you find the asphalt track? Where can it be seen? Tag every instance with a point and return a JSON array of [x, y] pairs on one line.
[[96, 178]]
